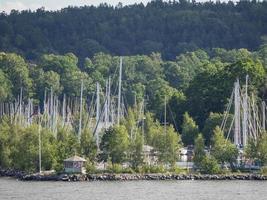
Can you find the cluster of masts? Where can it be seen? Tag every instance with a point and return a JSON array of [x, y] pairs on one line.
[[103, 110], [249, 117]]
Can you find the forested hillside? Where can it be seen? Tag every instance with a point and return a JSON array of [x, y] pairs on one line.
[[170, 28]]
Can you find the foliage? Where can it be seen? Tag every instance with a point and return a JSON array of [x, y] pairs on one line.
[[136, 151], [194, 77], [152, 169], [90, 168], [189, 130], [209, 165], [88, 146], [167, 145], [222, 149], [256, 149], [214, 119], [199, 151], [170, 27], [115, 144], [17, 72]]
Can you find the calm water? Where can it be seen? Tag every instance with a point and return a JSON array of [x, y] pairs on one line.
[[156, 190]]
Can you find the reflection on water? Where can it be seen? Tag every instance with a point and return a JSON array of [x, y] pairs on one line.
[[140, 190]]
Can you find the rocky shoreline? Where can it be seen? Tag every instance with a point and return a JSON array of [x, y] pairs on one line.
[[126, 177]]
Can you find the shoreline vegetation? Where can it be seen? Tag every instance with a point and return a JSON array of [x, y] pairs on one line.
[[192, 115], [130, 176]]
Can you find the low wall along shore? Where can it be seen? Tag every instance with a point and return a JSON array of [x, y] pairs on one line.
[[126, 177]]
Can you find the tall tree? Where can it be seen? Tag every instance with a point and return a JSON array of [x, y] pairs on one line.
[[189, 130], [199, 151], [115, 144], [222, 149]]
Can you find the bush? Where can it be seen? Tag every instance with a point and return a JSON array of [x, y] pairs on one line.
[[59, 167], [118, 169], [90, 168], [209, 165], [115, 168], [264, 170], [151, 169], [177, 170]]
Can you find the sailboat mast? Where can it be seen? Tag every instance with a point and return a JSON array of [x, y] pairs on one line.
[[143, 117], [40, 143], [106, 105], [263, 115], [165, 115], [237, 114], [97, 113], [97, 102], [20, 107], [64, 110], [109, 103], [51, 110], [245, 114], [81, 110], [119, 95]]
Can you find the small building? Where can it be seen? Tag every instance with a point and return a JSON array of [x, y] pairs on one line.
[[75, 164], [186, 153], [150, 155]]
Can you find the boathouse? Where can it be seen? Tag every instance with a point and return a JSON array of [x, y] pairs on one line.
[[75, 164]]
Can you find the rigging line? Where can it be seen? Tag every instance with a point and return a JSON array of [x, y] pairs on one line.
[[90, 111], [228, 134], [175, 125], [252, 129], [250, 124], [226, 114], [102, 110], [125, 104]]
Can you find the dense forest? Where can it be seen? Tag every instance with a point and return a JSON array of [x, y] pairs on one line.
[[171, 28]]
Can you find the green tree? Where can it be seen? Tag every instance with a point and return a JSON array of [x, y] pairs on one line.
[[167, 145], [115, 144], [136, 151], [88, 145], [59, 63], [222, 149], [256, 149], [151, 128], [48, 150], [25, 156], [209, 165], [17, 71], [67, 146], [5, 87], [189, 130], [199, 151], [173, 144], [8, 136], [214, 119]]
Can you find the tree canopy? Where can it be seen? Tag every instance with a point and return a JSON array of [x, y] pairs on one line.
[[169, 27]]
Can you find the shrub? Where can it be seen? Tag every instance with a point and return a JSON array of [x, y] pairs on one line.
[[264, 170], [90, 168], [209, 165], [177, 170], [151, 169]]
